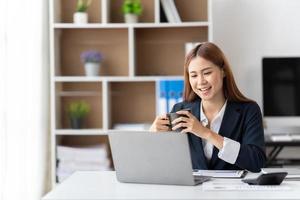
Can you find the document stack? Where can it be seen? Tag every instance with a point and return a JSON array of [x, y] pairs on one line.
[[71, 159], [169, 92]]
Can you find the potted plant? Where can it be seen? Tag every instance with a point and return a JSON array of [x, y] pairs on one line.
[[131, 10], [81, 16], [92, 62], [77, 111]]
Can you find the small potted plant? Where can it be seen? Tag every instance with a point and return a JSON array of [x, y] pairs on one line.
[[77, 111], [131, 10], [81, 16], [92, 62]]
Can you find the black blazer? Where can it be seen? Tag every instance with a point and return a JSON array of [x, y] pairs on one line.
[[242, 122]]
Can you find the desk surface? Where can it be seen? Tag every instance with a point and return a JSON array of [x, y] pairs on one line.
[[104, 185]]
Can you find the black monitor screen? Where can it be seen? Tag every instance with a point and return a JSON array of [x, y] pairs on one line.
[[281, 86]]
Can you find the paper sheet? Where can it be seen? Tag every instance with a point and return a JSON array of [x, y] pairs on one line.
[[241, 186]]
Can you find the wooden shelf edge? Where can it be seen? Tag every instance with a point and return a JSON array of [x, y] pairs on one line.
[[123, 25], [113, 78], [80, 132], [95, 132]]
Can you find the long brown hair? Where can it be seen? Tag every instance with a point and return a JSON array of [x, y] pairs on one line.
[[212, 53]]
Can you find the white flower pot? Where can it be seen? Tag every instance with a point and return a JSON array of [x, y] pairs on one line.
[[80, 18], [92, 69], [131, 18]]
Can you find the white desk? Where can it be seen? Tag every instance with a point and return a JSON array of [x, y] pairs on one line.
[[104, 185]]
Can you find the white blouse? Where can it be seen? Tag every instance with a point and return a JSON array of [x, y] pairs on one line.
[[231, 148]]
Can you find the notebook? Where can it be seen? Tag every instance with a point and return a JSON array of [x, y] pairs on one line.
[[221, 173]]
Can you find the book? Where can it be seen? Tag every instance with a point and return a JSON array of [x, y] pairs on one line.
[[162, 101], [71, 166], [175, 91], [170, 11], [174, 11], [86, 153], [169, 92]]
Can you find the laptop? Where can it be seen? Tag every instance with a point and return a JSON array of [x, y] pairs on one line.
[[154, 158]]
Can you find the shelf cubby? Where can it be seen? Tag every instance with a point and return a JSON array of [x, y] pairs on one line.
[[64, 10], [90, 92], [112, 43], [161, 51], [192, 10], [116, 14], [132, 102]]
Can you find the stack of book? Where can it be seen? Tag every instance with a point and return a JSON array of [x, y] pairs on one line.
[[71, 159]]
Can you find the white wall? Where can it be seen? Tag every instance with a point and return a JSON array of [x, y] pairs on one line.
[[248, 30]]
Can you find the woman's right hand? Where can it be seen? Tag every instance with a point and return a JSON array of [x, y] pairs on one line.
[[161, 123]]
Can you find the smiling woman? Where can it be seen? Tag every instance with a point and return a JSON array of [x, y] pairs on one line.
[[224, 128]]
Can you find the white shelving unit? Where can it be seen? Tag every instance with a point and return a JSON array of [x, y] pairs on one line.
[[137, 56]]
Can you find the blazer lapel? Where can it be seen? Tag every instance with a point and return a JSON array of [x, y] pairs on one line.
[[230, 121], [197, 141]]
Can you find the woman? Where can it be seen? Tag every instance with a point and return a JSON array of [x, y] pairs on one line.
[[224, 128]]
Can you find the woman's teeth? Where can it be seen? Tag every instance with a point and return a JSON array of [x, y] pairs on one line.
[[204, 89]]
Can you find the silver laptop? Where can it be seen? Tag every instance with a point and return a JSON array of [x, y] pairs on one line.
[[156, 158]]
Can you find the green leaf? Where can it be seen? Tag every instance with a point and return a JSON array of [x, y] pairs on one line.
[[132, 7], [78, 109], [82, 5]]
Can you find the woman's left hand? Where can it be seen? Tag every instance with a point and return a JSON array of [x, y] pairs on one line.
[[190, 124]]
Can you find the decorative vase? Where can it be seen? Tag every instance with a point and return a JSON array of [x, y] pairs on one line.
[[92, 69], [76, 123], [80, 18], [131, 18]]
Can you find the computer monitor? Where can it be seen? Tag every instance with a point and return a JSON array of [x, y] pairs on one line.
[[281, 93], [281, 87]]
